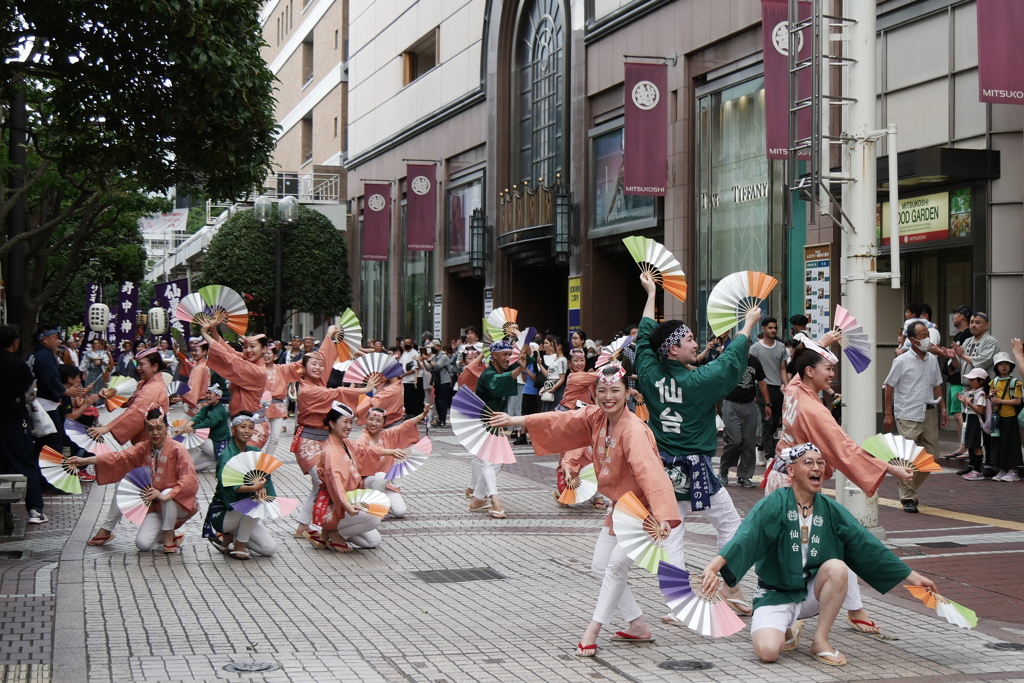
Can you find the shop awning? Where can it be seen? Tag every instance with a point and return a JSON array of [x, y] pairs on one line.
[[940, 165]]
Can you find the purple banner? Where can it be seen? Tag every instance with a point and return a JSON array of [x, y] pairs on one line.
[[775, 36], [646, 136], [93, 295], [1000, 76], [168, 294], [127, 308], [376, 221], [421, 207]]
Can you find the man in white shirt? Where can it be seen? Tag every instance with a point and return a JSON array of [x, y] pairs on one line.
[[772, 354], [914, 404], [410, 366]]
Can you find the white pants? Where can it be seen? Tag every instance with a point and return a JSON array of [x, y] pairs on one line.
[[782, 617], [721, 514], [247, 530], [203, 457], [378, 483], [611, 567], [485, 478], [306, 513], [152, 528], [275, 434], [360, 530]]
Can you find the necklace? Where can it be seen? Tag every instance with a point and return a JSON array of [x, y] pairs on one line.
[[805, 531]]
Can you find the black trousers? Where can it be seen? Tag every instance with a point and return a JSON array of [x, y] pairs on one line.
[[18, 456], [770, 427]]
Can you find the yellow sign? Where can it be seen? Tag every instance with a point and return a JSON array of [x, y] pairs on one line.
[[574, 292], [921, 219]]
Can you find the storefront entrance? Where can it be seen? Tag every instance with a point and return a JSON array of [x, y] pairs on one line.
[[941, 279]]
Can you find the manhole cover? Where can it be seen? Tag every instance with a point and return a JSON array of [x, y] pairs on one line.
[[1011, 647], [252, 667], [458, 575], [686, 665], [14, 554], [943, 544]]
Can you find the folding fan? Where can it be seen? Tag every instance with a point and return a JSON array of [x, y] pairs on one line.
[[79, 435], [894, 449], [734, 295], [123, 388], [129, 494], [243, 468], [272, 508], [55, 468], [371, 501], [641, 408], [612, 351], [523, 338], [952, 612], [349, 337], [417, 456], [470, 417], [638, 533], [499, 321], [370, 364], [710, 617], [580, 488], [177, 388], [658, 262], [193, 440], [215, 302], [853, 340]]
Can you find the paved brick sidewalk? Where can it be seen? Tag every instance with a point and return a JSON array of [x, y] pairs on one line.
[[367, 616]]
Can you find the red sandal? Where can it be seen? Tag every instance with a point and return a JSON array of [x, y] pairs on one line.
[[586, 650]]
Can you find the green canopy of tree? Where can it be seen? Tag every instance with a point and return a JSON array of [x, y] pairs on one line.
[[315, 268]]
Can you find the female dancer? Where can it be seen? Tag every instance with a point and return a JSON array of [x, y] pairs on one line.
[[276, 395], [343, 522], [390, 398], [172, 497], [314, 402], [247, 373], [130, 425], [397, 437], [805, 419], [579, 388], [627, 461]]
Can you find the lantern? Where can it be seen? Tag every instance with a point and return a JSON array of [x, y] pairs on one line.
[[157, 321], [99, 317]]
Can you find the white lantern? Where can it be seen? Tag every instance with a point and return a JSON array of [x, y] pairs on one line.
[[99, 317], [157, 321]]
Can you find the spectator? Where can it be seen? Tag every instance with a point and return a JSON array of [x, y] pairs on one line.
[[553, 369], [308, 345], [973, 402], [96, 365], [979, 350], [17, 454], [167, 356], [440, 367], [739, 414], [410, 365], [1006, 397], [798, 324], [472, 338], [532, 381], [919, 313], [294, 352], [772, 354], [962, 323], [126, 362], [578, 340], [70, 354], [49, 386], [914, 404]]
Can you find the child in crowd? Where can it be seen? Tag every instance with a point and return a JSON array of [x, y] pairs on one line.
[[973, 401], [1006, 402]]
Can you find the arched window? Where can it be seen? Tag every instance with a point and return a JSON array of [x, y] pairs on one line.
[[541, 66]]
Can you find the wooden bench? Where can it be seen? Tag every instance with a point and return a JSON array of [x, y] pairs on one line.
[[12, 491]]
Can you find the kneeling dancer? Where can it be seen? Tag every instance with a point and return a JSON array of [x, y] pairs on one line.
[[803, 544]]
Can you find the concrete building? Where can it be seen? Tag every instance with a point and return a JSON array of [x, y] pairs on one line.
[[510, 97]]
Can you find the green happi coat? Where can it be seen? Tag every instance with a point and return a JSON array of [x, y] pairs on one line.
[[229, 494], [770, 539]]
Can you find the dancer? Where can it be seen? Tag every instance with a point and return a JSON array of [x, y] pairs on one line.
[[198, 374], [237, 534], [247, 373], [129, 426], [497, 382], [401, 437], [172, 497], [805, 419], [627, 461], [343, 522], [797, 581], [390, 398], [276, 399], [313, 403], [579, 392], [682, 403], [213, 416]]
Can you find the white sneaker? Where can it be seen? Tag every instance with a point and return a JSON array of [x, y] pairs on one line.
[[1012, 475], [1001, 476], [761, 462], [36, 517]]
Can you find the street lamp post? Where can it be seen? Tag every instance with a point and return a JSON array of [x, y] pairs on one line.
[[287, 214]]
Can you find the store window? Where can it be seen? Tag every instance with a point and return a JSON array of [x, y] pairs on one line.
[[374, 296], [464, 195], [417, 287], [541, 64], [612, 210]]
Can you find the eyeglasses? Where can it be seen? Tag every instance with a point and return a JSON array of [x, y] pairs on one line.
[[812, 462]]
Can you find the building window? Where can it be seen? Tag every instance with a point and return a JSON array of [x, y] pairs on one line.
[[463, 198], [420, 57], [307, 138], [613, 210], [307, 60], [336, 34], [335, 126], [540, 66], [417, 287], [374, 296]]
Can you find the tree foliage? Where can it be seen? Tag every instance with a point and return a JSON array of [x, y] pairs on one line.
[[315, 264]]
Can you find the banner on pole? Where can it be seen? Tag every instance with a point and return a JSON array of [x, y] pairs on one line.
[[127, 308], [421, 207], [376, 221], [646, 137], [775, 36], [1000, 77], [168, 294], [93, 295]]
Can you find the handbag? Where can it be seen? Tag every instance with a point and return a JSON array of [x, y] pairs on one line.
[[547, 391], [42, 425]]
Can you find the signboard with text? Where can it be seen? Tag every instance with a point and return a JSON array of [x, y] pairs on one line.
[[930, 217], [818, 289], [574, 304]]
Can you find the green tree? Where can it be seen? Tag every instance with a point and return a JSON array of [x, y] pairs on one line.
[[315, 269]]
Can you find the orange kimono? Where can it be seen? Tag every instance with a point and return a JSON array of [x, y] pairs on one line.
[[313, 405], [579, 386], [625, 460], [575, 460], [470, 374], [339, 473], [278, 379], [198, 383], [402, 436], [248, 380], [130, 425], [172, 470], [805, 419], [390, 397]]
